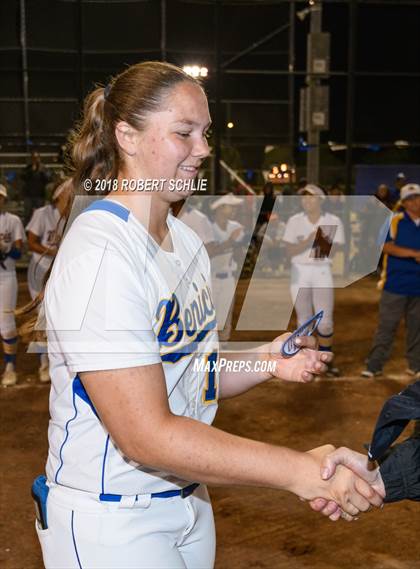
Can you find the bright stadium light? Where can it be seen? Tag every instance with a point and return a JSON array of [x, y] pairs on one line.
[[402, 143], [196, 70], [230, 124]]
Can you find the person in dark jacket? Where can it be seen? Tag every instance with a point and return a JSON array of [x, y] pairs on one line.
[[398, 475]]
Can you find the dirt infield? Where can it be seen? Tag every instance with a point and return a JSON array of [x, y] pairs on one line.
[[255, 528]]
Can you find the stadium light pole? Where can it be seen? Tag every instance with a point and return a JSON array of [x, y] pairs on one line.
[[313, 155], [217, 174]]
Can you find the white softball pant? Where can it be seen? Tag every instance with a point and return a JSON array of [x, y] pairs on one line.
[[164, 533], [8, 299], [312, 290]]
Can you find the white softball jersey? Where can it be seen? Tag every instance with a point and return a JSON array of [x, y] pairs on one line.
[[224, 262], [198, 222], [223, 267], [114, 300], [11, 230], [47, 224], [299, 227]]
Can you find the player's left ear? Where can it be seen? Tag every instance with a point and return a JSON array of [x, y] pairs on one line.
[[127, 137]]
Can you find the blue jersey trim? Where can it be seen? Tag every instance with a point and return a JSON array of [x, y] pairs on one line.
[[10, 340], [103, 464], [65, 438], [111, 207], [74, 539], [80, 390]]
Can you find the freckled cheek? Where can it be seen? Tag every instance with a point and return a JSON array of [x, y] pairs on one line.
[[178, 150]]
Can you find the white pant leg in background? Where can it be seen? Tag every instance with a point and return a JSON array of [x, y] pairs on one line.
[[323, 297], [301, 292], [164, 533], [312, 290], [8, 299]]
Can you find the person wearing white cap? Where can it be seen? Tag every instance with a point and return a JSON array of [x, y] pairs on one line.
[[12, 235], [226, 233], [197, 221], [44, 232], [400, 284], [309, 236]]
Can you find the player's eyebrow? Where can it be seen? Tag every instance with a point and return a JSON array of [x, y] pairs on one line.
[[189, 122]]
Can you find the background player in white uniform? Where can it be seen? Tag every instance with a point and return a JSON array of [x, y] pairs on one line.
[[129, 311], [198, 222], [226, 232], [44, 232], [308, 237], [12, 235]]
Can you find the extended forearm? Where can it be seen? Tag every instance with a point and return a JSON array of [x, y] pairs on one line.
[[199, 452], [215, 248], [297, 248], [35, 246], [243, 371], [397, 251], [38, 248]]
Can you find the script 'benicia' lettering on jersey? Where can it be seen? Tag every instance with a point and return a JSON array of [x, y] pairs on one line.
[[180, 331]]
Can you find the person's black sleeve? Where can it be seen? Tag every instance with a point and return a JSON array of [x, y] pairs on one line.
[[401, 472]]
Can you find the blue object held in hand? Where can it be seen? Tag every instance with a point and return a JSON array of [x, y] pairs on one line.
[[290, 348]]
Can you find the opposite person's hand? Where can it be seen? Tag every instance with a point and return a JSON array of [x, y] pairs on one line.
[[350, 493], [357, 463]]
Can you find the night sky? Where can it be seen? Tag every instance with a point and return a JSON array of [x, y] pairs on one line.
[[388, 40]]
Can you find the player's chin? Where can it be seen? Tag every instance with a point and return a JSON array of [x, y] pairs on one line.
[[182, 188], [173, 196]]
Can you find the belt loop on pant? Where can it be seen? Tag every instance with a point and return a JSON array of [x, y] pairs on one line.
[[127, 501], [144, 500]]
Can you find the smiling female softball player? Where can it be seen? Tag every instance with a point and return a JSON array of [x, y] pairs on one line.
[[129, 315]]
